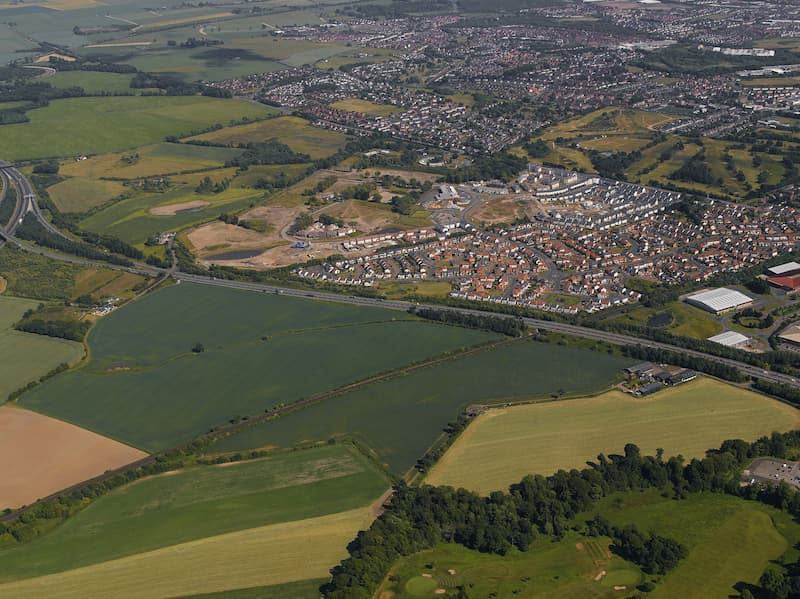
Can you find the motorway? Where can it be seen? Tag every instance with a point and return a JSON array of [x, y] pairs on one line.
[[29, 204]]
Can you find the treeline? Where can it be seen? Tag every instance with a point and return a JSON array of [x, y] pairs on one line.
[[7, 206], [32, 230], [36, 519], [173, 86], [788, 392], [513, 327], [74, 330], [537, 506], [651, 354]]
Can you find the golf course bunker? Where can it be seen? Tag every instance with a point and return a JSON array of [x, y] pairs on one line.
[[182, 208], [40, 455]]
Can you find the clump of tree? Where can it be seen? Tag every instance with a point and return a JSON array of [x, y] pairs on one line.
[[48, 167], [207, 185], [695, 170], [654, 553], [503, 166], [74, 330], [271, 152]]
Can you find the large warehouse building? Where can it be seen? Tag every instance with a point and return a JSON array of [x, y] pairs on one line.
[[730, 339], [719, 300]]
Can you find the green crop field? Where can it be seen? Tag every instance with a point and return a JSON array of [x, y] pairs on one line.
[[295, 132], [93, 82], [400, 418], [206, 64], [79, 194], [504, 445], [729, 540], [25, 356], [95, 125], [146, 386], [564, 569], [148, 161], [201, 502]]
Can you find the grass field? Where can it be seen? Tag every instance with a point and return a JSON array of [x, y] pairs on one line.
[[93, 82], [303, 589], [267, 555], [34, 276], [95, 125], [145, 214], [201, 502], [79, 194], [206, 64], [366, 107], [295, 132], [26, 357], [400, 418], [148, 161], [729, 540], [504, 445], [145, 386], [687, 320], [564, 569]]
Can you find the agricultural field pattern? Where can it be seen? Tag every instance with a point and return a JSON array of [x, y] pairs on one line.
[[399, 299]]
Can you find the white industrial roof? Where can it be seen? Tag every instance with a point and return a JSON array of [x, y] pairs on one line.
[[784, 268], [729, 338], [720, 299]]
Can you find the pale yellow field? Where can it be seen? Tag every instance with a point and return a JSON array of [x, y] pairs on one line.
[[261, 556], [366, 107], [503, 445]]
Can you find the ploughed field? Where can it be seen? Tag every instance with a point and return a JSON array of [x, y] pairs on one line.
[[269, 521], [41, 455], [147, 387], [401, 417], [503, 445]]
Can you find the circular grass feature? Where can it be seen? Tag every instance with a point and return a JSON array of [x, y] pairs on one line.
[[421, 586], [624, 577]]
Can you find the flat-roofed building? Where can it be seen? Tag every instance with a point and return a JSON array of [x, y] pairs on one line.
[[789, 268], [719, 300], [730, 339]]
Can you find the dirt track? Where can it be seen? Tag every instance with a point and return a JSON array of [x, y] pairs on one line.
[[40, 455]]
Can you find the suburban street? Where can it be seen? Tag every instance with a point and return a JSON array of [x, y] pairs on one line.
[[28, 203]]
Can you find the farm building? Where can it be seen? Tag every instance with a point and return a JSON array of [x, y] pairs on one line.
[[782, 270], [649, 389], [730, 339], [719, 300], [645, 368]]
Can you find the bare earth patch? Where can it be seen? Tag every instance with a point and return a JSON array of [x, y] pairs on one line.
[[173, 209], [217, 235], [3, 284], [40, 455]]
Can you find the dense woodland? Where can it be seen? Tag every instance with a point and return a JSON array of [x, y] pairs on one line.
[[538, 506]]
